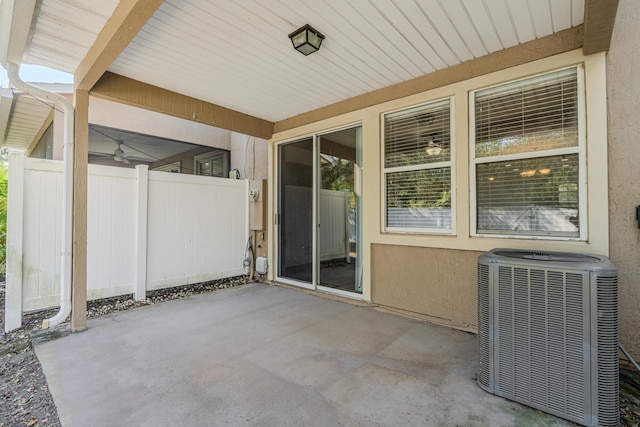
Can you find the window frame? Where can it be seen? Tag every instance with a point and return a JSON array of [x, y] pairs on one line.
[[210, 155], [580, 150], [451, 164]]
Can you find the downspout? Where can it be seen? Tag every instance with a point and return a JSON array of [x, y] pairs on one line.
[[67, 189]]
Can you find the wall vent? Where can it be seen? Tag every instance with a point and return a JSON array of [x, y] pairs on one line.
[[548, 332]]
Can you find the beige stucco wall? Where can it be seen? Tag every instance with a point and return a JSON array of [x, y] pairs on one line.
[[437, 282], [434, 274], [249, 156], [623, 90], [121, 116]]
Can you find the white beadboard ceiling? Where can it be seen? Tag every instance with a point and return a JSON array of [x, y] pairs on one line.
[[236, 53], [64, 30], [27, 118], [25, 115]]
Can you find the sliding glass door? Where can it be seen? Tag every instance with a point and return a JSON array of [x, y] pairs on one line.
[[295, 211], [318, 215], [338, 218]]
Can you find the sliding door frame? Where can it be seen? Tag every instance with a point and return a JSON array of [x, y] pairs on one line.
[[316, 179]]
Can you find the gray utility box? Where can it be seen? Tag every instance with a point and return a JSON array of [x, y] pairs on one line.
[[548, 332]]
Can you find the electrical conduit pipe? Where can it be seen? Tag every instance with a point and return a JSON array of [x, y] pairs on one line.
[[67, 189]]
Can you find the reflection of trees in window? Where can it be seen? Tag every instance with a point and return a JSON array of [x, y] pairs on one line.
[[338, 175], [429, 188]]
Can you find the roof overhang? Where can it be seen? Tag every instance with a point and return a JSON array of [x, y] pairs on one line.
[[23, 118], [15, 24], [6, 102]]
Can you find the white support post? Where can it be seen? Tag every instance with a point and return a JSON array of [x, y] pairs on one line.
[[14, 255], [140, 291]]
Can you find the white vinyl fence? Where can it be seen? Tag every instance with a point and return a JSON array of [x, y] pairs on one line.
[[334, 225], [145, 230]]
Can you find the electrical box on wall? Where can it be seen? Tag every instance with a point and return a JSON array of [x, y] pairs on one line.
[[261, 265], [257, 203]]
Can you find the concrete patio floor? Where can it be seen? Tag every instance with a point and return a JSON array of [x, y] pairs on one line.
[[270, 356]]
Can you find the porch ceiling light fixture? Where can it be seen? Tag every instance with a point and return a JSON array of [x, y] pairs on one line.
[[306, 40]]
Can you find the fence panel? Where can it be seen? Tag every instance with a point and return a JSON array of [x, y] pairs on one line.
[[111, 220], [197, 228], [41, 233], [334, 217]]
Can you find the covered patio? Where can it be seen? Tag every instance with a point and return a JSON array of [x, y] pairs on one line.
[[412, 83], [268, 355]]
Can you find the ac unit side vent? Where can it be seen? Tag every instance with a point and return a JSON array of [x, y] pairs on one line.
[[483, 325], [543, 325], [607, 366]]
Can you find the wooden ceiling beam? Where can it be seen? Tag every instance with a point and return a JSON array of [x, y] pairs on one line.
[[127, 19], [114, 87], [599, 17]]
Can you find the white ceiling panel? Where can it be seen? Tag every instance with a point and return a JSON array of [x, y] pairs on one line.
[[540, 12], [445, 26], [64, 31], [502, 23], [519, 12], [577, 12], [237, 54], [560, 15], [26, 119], [460, 19], [484, 26]]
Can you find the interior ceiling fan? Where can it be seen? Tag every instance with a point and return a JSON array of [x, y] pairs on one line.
[[119, 156]]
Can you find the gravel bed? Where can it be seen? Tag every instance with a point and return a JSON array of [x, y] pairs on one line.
[[25, 399]]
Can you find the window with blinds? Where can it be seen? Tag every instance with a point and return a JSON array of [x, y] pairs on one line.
[[527, 156], [417, 168]]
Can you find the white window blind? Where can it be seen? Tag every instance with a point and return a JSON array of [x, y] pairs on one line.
[[530, 115], [417, 168], [527, 157]]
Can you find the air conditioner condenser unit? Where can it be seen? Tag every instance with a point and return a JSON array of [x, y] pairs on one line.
[[548, 332]]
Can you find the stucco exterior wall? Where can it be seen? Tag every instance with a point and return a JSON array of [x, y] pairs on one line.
[[437, 282], [249, 156], [461, 247], [623, 91], [121, 116]]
